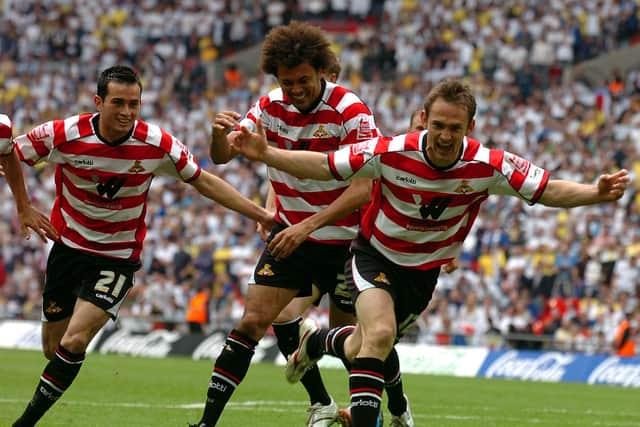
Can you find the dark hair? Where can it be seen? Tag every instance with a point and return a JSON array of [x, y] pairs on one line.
[[118, 73], [454, 92], [295, 44]]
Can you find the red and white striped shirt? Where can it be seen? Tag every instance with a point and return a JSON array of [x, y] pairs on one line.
[[339, 119], [420, 215], [101, 189]]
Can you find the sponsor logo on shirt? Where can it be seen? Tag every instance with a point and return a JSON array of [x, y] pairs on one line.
[[425, 227], [83, 162], [105, 297], [283, 130], [407, 179]]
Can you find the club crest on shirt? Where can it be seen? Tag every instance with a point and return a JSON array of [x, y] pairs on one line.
[[464, 187], [321, 132], [137, 167]]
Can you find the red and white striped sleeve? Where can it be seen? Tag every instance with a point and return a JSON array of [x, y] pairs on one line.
[[356, 160], [180, 162], [6, 134], [38, 142], [357, 118], [521, 176]]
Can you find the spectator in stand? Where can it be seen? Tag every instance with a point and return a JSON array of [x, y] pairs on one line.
[[623, 343], [197, 315]]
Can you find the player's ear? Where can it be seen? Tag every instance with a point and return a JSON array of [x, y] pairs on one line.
[[472, 125], [97, 102]]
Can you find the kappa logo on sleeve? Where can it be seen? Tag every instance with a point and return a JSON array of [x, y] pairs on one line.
[[360, 147], [518, 163], [39, 133], [365, 130]]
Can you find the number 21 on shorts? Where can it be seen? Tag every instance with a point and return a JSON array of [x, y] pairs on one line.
[[109, 284]]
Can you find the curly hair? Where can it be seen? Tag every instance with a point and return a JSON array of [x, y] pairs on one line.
[[454, 92], [294, 44]]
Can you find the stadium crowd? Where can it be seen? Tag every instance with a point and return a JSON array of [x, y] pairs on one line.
[[565, 278]]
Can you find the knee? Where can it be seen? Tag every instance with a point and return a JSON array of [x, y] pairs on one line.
[[379, 341], [76, 343], [254, 324]]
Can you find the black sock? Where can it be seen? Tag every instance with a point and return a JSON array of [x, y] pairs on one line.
[[288, 339], [55, 379], [229, 370], [366, 383], [330, 341], [393, 384]]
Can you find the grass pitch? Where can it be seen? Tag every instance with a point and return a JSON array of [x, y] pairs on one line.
[[127, 391]]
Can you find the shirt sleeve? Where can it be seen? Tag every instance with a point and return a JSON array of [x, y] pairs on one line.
[[6, 135], [179, 161], [356, 161], [359, 123], [518, 176], [38, 142]]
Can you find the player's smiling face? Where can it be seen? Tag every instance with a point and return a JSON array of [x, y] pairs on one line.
[[301, 84], [448, 124], [118, 110]]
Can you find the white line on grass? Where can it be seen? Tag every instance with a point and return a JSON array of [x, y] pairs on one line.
[[284, 406]]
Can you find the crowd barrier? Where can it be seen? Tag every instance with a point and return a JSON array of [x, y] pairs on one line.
[[549, 366]]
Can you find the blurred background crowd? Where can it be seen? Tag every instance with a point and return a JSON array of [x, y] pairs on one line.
[[529, 277]]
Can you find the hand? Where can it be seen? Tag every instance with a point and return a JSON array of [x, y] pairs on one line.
[[33, 219], [224, 122], [288, 240], [252, 145], [451, 266], [263, 231], [612, 187], [265, 225]]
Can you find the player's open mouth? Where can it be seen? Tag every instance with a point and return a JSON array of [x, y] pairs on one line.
[[444, 148]]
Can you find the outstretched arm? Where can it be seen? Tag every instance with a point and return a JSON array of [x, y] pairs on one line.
[[569, 194], [222, 192], [303, 164]]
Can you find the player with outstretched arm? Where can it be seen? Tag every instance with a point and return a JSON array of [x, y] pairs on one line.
[[429, 188]]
